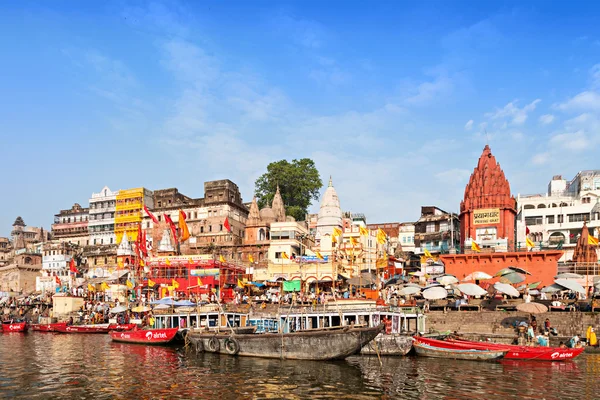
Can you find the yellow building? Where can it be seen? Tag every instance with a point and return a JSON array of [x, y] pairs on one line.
[[129, 211]]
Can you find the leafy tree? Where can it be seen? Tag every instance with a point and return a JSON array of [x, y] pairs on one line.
[[299, 183]]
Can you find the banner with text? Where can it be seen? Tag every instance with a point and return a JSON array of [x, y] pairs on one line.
[[486, 216]]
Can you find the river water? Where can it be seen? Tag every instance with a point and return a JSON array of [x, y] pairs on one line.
[[54, 366]]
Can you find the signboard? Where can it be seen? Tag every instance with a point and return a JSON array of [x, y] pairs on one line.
[[486, 216], [205, 272]]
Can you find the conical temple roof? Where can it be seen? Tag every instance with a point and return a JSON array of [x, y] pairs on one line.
[[254, 214], [19, 222], [330, 213], [278, 207], [585, 252]]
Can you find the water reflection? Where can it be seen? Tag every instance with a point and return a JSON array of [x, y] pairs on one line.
[[41, 366]]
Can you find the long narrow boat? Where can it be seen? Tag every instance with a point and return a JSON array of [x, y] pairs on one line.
[[395, 344], [48, 327], [427, 350], [513, 352], [101, 328], [326, 344], [121, 327], [14, 327], [145, 336]]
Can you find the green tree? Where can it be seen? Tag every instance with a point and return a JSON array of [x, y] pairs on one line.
[[299, 183]]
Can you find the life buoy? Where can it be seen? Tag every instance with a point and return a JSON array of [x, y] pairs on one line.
[[213, 344], [232, 346], [199, 346]]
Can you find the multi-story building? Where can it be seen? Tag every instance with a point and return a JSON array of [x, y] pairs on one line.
[[101, 223], [129, 211], [555, 219], [19, 276], [71, 226], [406, 237], [437, 231], [26, 237], [330, 216], [56, 257], [6, 251]]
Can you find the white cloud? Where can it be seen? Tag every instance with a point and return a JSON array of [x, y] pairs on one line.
[[516, 115], [575, 141], [541, 158], [469, 125], [546, 119], [428, 91], [586, 100]]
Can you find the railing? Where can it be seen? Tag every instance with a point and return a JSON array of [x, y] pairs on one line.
[[579, 268]]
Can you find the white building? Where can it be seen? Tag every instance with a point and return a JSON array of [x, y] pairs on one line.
[[330, 217], [56, 257], [406, 237], [555, 218], [287, 237], [101, 223]]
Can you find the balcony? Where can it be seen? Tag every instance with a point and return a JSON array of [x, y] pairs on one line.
[[124, 219]]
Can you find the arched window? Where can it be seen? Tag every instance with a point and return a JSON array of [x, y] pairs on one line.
[[528, 207], [541, 206], [261, 234], [555, 238]]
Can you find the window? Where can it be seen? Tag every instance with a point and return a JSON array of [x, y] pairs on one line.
[[561, 219], [278, 254], [160, 204], [430, 228], [586, 200], [201, 229], [220, 227], [210, 228], [579, 217], [534, 221], [550, 219], [111, 240]]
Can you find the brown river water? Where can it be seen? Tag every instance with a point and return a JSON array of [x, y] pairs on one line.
[[54, 366]]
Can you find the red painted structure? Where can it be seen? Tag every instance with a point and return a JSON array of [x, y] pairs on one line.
[[145, 336], [488, 188], [14, 327], [48, 327]]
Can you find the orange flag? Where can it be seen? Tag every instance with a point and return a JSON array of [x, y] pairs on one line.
[[183, 228]]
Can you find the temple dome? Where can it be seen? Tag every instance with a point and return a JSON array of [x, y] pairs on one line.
[[330, 213], [267, 215]]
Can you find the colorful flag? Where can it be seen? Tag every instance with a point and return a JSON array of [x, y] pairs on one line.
[[363, 231], [151, 283], [183, 228], [526, 230], [381, 263], [381, 236], [475, 246], [175, 284], [333, 240], [199, 282], [129, 284], [226, 224], [285, 256], [172, 226], [353, 241], [144, 244], [57, 280], [250, 258], [168, 262], [319, 256], [222, 259], [148, 213], [104, 286], [119, 264], [142, 263], [240, 283], [72, 266], [592, 240], [337, 232], [91, 288], [427, 253], [190, 261], [529, 243]]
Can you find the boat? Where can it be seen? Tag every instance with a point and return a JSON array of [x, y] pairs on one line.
[[322, 344], [389, 345], [427, 350], [14, 327], [121, 327], [145, 336], [592, 349], [52, 327], [513, 352], [100, 328]]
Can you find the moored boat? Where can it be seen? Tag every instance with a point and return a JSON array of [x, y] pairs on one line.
[[389, 345], [121, 327], [100, 328], [48, 327], [427, 350], [325, 344], [145, 336], [592, 349], [14, 327]]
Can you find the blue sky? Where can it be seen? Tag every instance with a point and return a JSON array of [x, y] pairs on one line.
[[395, 100]]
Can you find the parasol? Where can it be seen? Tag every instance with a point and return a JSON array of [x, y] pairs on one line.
[[408, 290], [141, 309], [520, 270], [513, 278], [169, 301], [477, 276], [365, 279], [447, 280], [184, 303], [503, 271], [532, 308], [118, 309], [534, 285], [418, 273], [506, 289], [552, 288], [435, 293], [471, 289], [410, 284], [571, 285], [568, 275]]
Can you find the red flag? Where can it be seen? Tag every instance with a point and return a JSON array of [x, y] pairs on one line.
[[144, 244], [138, 241], [152, 217], [183, 228], [526, 230], [72, 266], [57, 280], [172, 226], [226, 224]]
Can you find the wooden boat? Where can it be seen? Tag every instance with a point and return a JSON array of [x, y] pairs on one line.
[[592, 349], [100, 328], [427, 350], [14, 327], [389, 345], [325, 344], [121, 327], [513, 352], [145, 336], [48, 327]]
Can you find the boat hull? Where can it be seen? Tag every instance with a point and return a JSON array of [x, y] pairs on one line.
[[48, 327], [15, 327], [145, 336], [83, 329], [389, 345], [427, 350], [306, 345], [121, 327]]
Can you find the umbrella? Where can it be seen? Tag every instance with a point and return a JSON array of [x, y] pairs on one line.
[[434, 284], [118, 309], [521, 287], [520, 270], [471, 289], [534, 285], [418, 273], [534, 292], [532, 308], [412, 285], [506, 289], [141, 309], [552, 288], [447, 280], [365, 279], [408, 290], [571, 285], [503, 271], [184, 303], [169, 301], [568, 275], [513, 277], [434, 293], [477, 276], [161, 307]]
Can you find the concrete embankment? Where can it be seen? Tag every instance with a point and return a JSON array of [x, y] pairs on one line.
[[501, 324]]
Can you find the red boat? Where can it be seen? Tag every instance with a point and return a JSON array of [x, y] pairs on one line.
[[48, 327], [513, 352], [103, 328], [14, 327], [121, 327], [145, 336]]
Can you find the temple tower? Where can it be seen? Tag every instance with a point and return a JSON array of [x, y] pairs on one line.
[[330, 216], [585, 252]]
